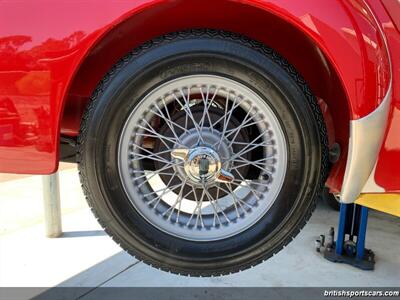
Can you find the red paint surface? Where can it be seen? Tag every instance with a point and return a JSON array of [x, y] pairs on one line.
[[44, 44], [387, 173]]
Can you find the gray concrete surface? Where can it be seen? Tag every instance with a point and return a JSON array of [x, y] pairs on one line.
[[86, 257]]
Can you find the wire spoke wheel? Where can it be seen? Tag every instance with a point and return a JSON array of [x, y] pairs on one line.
[[202, 152], [202, 157]]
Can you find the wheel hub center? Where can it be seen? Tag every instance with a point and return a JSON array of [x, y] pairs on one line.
[[202, 164]]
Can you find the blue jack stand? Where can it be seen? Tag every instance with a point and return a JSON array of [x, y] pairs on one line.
[[349, 247]]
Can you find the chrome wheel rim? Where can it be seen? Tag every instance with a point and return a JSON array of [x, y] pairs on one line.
[[202, 157]]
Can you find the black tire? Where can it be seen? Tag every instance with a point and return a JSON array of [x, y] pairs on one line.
[[197, 52]]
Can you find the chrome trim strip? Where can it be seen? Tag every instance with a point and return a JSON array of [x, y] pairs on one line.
[[366, 137]]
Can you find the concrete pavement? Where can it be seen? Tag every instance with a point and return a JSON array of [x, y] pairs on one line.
[[86, 257]]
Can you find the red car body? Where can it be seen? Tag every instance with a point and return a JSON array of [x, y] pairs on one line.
[[53, 54]]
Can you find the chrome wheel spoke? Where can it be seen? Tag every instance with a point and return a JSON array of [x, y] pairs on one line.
[[159, 197], [249, 147], [249, 187], [146, 173], [151, 155], [256, 164], [240, 128], [212, 202], [178, 200], [227, 118], [239, 182], [152, 175], [171, 124], [164, 189], [207, 106], [197, 209], [230, 131], [235, 198], [162, 138], [186, 108]]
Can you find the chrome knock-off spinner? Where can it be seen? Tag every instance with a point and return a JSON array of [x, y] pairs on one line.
[[202, 165]]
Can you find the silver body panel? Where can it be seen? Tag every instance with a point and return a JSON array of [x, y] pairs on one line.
[[366, 137]]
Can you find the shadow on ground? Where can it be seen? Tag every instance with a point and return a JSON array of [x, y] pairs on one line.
[[298, 265]]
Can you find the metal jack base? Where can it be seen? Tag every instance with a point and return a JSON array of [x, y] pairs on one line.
[[349, 247]]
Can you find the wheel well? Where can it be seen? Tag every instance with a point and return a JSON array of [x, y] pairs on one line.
[[241, 18]]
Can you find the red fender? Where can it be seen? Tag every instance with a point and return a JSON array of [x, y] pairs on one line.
[[40, 57]]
